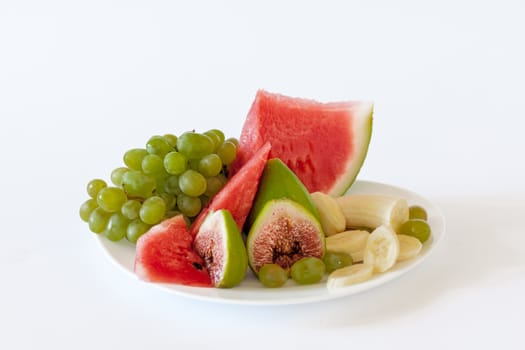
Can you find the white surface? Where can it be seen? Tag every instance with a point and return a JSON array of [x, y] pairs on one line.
[[82, 82], [252, 292]]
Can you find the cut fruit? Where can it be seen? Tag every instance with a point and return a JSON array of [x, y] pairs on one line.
[[324, 144], [330, 213], [409, 247], [164, 254], [349, 275], [283, 233], [278, 182], [382, 249], [351, 242], [219, 243], [239, 192]]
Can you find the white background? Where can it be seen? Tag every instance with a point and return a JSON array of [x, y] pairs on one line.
[[81, 82]]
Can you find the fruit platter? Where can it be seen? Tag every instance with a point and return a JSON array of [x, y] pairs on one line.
[[276, 216]]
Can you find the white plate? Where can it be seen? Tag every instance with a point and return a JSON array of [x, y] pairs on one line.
[[251, 291]]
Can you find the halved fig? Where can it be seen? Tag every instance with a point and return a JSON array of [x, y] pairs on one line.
[[220, 245], [284, 232]]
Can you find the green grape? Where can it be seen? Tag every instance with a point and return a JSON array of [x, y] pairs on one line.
[[171, 185], [189, 206], [94, 186], [117, 175], [175, 163], [169, 199], [213, 185], [152, 164], [131, 209], [416, 228], [308, 270], [216, 136], [227, 152], [152, 210], [417, 212], [171, 140], [159, 146], [272, 275], [233, 140], [138, 184], [133, 158], [172, 213], [98, 220], [192, 183], [210, 165], [193, 164], [136, 228], [194, 145], [87, 208], [116, 227], [111, 199], [334, 261], [204, 200]]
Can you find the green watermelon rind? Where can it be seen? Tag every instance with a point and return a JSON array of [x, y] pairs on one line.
[[361, 134]]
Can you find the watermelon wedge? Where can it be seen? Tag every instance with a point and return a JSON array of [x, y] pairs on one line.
[[239, 192], [165, 254], [324, 144]]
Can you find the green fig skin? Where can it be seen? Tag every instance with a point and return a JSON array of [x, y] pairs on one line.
[[234, 252], [279, 182]]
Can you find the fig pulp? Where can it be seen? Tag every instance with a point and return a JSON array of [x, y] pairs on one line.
[[284, 232]]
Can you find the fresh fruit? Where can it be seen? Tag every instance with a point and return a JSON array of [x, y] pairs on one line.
[[382, 249], [352, 242], [159, 181], [370, 210], [417, 228], [349, 275], [330, 213], [417, 212], [238, 194], [324, 144], [164, 254], [284, 232], [219, 243], [308, 270], [272, 275], [277, 182], [334, 261], [409, 247]]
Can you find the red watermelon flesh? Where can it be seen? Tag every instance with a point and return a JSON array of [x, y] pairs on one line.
[[238, 193], [324, 144], [165, 254]]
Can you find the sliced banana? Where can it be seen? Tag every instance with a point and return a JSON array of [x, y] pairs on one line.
[[382, 249], [351, 242], [367, 210], [409, 247], [330, 214], [349, 275]]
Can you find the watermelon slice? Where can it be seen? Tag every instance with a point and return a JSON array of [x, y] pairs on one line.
[[165, 254], [324, 144], [238, 193]]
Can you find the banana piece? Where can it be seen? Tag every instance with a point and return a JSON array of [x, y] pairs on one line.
[[366, 210], [382, 249], [330, 214], [349, 275], [409, 247], [351, 242]]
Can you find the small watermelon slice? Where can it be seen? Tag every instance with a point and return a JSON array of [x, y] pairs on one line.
[[164, 254], [324, 144], [238, 193]]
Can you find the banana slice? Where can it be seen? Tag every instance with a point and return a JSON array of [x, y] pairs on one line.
[[370, 210], [382, 249], [351, 242], [409, 247], [349, 275], [330, 214]]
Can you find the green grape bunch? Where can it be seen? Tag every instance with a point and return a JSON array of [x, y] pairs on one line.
[[169, 176]]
